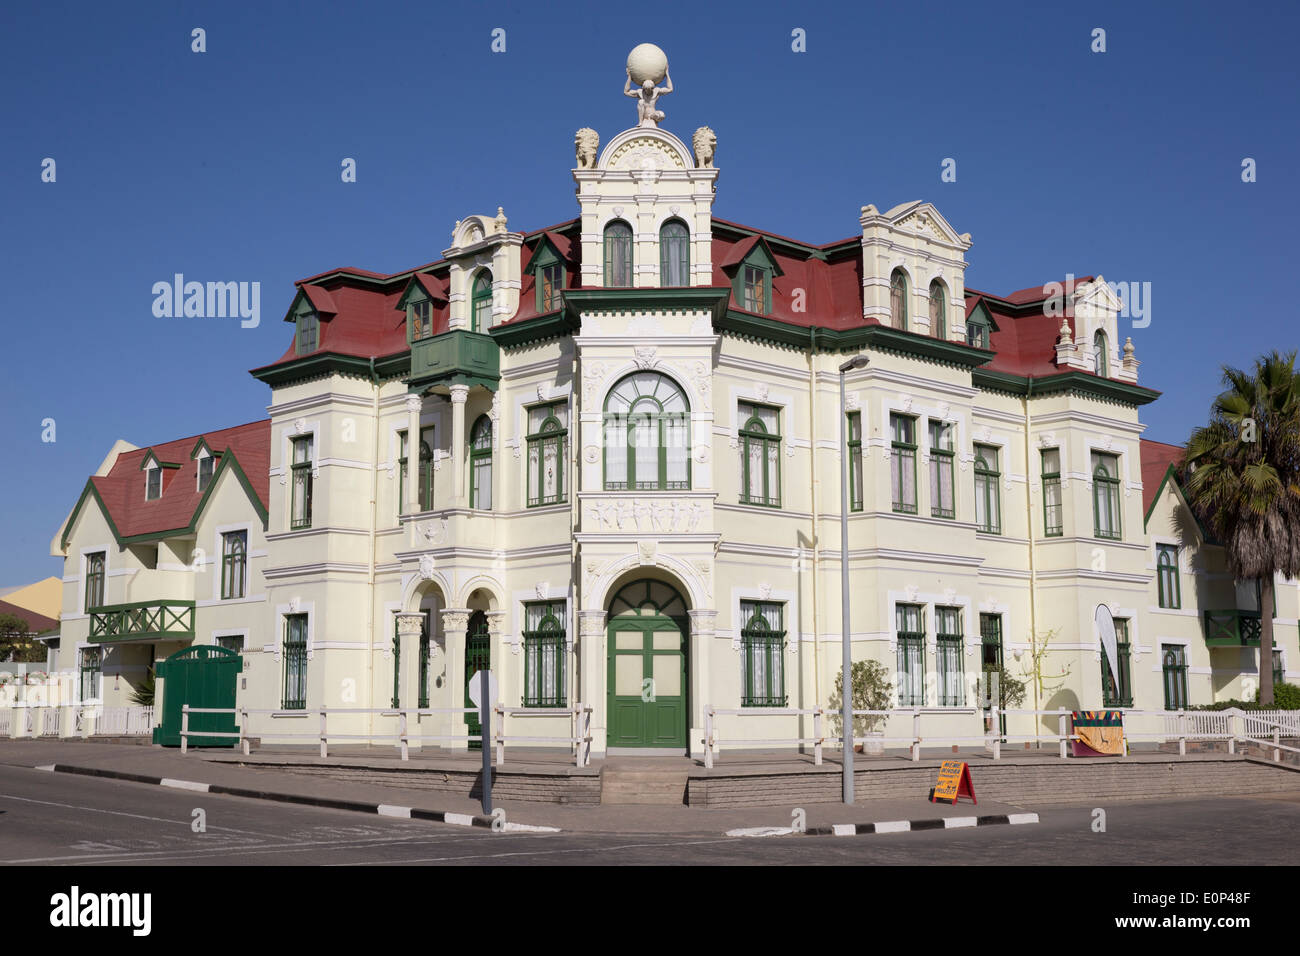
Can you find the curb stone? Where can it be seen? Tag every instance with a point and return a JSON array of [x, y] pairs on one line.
[[359, 806], [891, 826]]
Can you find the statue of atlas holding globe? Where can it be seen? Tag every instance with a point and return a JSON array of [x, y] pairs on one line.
[[646, 66]]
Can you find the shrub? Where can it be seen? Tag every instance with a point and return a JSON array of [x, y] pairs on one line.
[[872, 690]]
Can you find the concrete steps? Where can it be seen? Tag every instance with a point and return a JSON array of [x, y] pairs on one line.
[[657, 787]]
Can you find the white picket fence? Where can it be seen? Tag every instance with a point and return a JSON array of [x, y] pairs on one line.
[[78, 720], [124, 721]]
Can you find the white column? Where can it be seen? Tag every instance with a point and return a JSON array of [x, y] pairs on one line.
[[455, 622], [704, 625], [414, 404], [407, 660], [458, 395], [590, 689]]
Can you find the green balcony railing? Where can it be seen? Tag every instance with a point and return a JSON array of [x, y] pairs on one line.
[[156, 620], [1232, 628], [459, 357]]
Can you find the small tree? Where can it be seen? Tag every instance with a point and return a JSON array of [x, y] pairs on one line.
[[14, 644], [1011, 692], [872, 690]]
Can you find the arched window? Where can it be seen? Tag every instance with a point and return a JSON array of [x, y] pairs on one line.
[[618, 255], [1100, 356], [898, 299], [674, 254], [938, 311], [647, 434], [1105, 496], [481, 302], [480, 464]]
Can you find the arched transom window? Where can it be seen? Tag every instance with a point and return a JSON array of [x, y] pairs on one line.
[[898, 299], [481, 304], [938, 311], [618, 255], [674, 254], [647, 435], [1100, 348]]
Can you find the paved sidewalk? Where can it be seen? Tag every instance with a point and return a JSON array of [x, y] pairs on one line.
[[153, 762]]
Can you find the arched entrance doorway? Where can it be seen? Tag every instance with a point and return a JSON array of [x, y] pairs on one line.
[[478, 656], [647, 679]]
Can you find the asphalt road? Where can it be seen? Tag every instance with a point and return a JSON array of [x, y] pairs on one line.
[[60, 819]]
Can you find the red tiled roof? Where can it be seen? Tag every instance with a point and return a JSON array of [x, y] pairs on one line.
[[320, 299], [36, 623], [1156, 459], [122, 489]]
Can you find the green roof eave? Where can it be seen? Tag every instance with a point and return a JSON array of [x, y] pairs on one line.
[[328, 363], [1072, 381], [878, 337], [549, 325]]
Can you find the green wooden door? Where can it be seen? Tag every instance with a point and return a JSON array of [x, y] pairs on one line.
[[647, 667], [478, 656], [201, 676]]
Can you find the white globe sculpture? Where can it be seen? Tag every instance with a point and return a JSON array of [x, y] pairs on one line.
[[647, 62]]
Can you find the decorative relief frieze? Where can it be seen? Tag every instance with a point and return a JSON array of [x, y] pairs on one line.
[[645, 515]]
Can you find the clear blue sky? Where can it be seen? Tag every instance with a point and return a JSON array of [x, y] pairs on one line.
[[225, 166]]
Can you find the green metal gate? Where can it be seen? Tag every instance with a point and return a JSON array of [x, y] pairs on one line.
[[201, 676], [478, 656]]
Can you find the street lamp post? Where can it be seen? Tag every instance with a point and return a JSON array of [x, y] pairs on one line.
[[846, 666]]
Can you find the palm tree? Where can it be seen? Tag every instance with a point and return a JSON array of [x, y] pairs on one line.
[[1242, 476]]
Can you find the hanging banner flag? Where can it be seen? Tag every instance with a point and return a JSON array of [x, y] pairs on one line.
[[1106, 631]]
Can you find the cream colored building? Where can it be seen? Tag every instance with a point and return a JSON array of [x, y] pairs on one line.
[[626, 486]]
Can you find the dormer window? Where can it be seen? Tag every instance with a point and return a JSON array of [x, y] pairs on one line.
[[755, 267], [153, 483], [977, 332], [308, 333], [674, 254], [550, 284], [898, 299], [419, 317], [481, 302], [754, 298], [206, 465]]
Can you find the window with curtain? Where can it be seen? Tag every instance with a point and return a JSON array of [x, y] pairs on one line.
[[938, 311], [854, 436], [481, 302], [94, 580], [909, 621], [1113, 694], [760, 454], [1174, 666], [544, 647], [424, 470], [988, 500], [942, 500], [618, 255], [1105, 496], [762, 654], [480, 464], [1168, 585], [902, 463], [295, 662], [898, 299], [547, 453], [301, 483], [1053, 506], [420, 319], [674, 254], [949, 650], [647, 435], [153, 484], [977, 332], [234, 564], [754, 287]]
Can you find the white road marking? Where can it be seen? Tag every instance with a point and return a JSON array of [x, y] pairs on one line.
[[760, 831], [459, 819], [843, 829], [493, 856]]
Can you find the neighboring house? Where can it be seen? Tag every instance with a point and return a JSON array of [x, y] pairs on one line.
[[164, 548], [603, 459], [39, 627]]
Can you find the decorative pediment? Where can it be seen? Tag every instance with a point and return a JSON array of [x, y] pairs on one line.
[[642, 149], [1098, 294], [545, 254]]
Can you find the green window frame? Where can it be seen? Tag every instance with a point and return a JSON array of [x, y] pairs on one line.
[[94, 580], [618, 255], [1053, 503], [1168, 583], [91, 666], [1121, 696], [424, 475], [754, 285], [153, 483], [480, 464], [988, 494], [545, 649], [419, 318], [481, 302], [902, 463], [1101, 354], [938, 310], [647, 425], [762, 654], [990, 642], [909, 623], [977, 333], [308, 338], [550, 283], [234, 564], [898, 299], [674, 254], [231, 642], [950, 655], [1105, 497], [760, 454], [1173, 667], [295, 663], [206, 466], [854, 432], [548, 449], [301, 484], [943, 495]]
